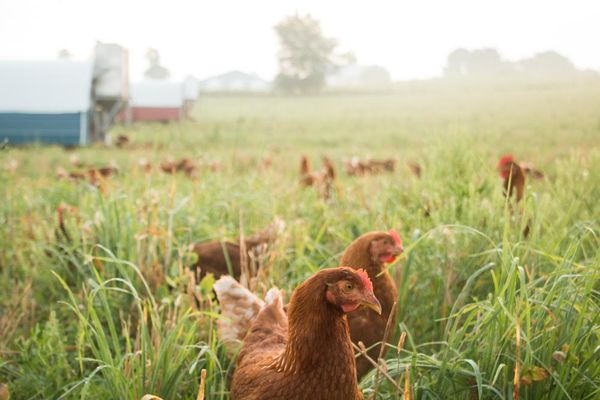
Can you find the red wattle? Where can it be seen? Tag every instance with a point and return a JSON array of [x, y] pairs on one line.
[[349, 307], [388, 259]]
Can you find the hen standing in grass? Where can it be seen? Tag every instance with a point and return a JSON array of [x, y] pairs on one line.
[[514, 178], [213, 255], [323, 180], [306, 354], [372, 251]]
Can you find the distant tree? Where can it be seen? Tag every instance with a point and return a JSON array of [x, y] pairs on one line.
[[305, 56], [155, 70], [549, 63], [456, 64], [479, 63], [64, 54], [485, 63], [375, 77]]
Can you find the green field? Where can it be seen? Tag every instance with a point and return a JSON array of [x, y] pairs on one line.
[[109, 314]]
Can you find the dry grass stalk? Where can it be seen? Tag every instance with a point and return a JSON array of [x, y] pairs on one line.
[[407, 391], [517, 379], [401, 342], [244, 267], [363, 351], [193, 297], [202, 387]]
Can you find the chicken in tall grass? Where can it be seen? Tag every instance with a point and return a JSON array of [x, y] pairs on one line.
[[323, 181], [372, 251], [306, 354], [513, 177], [225, 258]]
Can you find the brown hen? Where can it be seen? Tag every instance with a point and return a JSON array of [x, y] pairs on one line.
[[306, 354], [323, 181], [213, 255], [372, 251], [513, 177]]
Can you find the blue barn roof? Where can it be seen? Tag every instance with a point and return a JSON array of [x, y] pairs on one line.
[[47, 102]]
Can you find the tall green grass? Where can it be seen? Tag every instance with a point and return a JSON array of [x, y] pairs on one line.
[[114, 313]]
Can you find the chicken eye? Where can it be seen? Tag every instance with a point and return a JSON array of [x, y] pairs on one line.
[[349, 286]]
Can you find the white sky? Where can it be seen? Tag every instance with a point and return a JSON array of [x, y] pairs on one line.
[[207, 37]]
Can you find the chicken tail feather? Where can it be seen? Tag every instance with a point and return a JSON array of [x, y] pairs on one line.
[[239, 308]]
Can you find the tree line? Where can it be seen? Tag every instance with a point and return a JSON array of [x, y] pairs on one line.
[[306, 57]]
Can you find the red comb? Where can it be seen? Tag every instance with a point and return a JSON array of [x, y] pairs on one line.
[[364, 277], [505, 159], [396, 237]]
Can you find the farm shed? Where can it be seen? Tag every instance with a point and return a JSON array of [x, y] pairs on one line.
[[46, 102], [155, 101]]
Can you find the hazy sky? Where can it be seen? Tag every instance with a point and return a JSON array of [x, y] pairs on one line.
[[201, 37]]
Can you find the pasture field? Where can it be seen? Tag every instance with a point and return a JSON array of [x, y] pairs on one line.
[[488, 313]]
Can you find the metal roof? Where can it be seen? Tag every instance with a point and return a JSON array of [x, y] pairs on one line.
[[156, 94], [48, 87]]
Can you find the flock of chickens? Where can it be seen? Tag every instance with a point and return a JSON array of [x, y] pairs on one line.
[[306, 349]]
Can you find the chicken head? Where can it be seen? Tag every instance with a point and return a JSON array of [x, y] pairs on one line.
[[351, 291], [386, 247]]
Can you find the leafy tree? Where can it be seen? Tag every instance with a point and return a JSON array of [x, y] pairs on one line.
[[305, 56], [155, 70], [479, 63], [549, 63], [375, 77], [456, 63], [485, 63]]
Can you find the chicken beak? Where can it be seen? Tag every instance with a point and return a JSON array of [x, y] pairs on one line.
[[370, 301], [398, 250]]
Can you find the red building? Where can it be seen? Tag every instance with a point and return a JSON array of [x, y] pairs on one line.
[[155, 101]]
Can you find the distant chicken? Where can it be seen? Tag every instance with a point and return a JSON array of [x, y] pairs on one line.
[[358, 167], [93, 176], [388, 165], [96, 174], [213, 255], [145, 165], [75, 161], [415, 168], [373, 251], [267, 162], [306, 354], [184, 165], [323, 180], [513, 176], [122, 141]]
